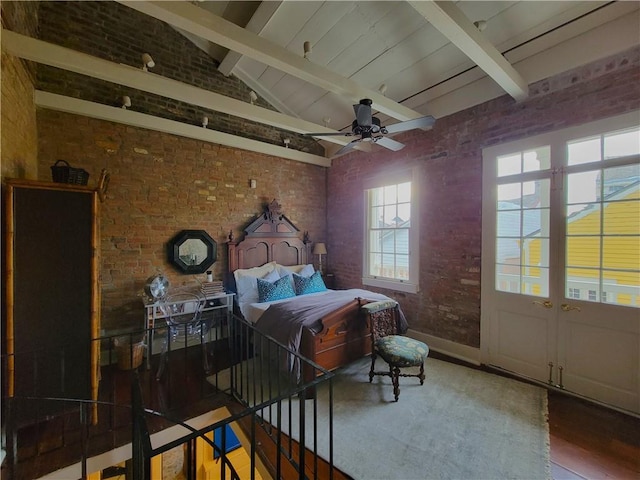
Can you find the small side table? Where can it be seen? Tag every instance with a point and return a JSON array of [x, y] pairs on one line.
[[329, 280], [154, 313]]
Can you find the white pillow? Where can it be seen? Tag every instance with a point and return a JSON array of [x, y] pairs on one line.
[[247, 283], [302, 270]]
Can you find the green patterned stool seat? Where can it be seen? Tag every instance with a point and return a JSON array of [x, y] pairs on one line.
[[402, 351], [383, 319]]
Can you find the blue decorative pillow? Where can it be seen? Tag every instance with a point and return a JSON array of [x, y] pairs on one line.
[[281, 288], [311, 284]]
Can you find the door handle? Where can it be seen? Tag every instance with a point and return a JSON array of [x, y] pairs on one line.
[[567, 308], [545, 304]]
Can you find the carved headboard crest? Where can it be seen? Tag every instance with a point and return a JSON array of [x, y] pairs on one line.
[[270, 236]]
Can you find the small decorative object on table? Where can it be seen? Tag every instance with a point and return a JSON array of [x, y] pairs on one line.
[[212, 288], [62, 172]]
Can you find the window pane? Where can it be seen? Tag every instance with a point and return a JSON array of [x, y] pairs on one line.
[[536, 252], [584, 219], [404, 192], [620, 182], [390, 215], [508, 251], [390, 194], [535, 281], [509, 195], [621, 288], [375, 264], [583, 151], [621, 217], [583, 252], [622, 144], [388, 241], [508, 224], [621, 252], [375, 241], [535, 223], [583, 187], [536, 160], [507, 278], [404, 214], [509, 164]]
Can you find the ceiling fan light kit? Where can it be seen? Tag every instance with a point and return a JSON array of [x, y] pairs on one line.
[[369, 129]]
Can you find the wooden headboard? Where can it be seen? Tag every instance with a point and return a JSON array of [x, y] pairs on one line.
[[270, 237]]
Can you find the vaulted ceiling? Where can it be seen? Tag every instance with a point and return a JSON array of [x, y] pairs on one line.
[[411, 58], [313, 60]]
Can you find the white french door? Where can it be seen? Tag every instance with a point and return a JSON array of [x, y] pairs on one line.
[[561, 259]]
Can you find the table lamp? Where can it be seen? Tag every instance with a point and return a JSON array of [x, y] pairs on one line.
[[319, 249]]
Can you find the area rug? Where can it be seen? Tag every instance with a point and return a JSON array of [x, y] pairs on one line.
[[461, 424]]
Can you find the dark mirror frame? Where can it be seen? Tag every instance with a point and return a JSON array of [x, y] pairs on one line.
[[183, 236]]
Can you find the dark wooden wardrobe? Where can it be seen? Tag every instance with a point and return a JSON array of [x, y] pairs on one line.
[[51, 293]]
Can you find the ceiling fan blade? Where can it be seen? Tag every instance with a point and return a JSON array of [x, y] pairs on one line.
[[363, 114], [422, 122], [389, 143], [347, 147], [345, 134]]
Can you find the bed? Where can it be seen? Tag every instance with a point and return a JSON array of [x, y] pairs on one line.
[[323, 325]]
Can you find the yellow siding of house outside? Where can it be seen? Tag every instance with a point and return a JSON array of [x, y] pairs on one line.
[[618, 252]]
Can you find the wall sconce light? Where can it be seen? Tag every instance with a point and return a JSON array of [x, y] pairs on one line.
[[147, 62], [286, 141], [383, 89], [320, 249], [326, 121], [205, 121], [126, 102], [253, 183], [307, 49], [253, 96]]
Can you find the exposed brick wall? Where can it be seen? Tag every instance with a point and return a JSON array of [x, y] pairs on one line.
[[161, 184], [449, 159], [120, 34], [19, 134]]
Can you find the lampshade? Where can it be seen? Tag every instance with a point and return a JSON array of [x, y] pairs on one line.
[[319, 249]]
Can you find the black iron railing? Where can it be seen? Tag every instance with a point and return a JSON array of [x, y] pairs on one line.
[[252, 375]]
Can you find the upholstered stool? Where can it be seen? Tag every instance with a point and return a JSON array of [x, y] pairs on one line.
[[397, 350]]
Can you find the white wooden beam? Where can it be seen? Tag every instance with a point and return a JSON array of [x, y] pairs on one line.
[[260, 19], [66, 59], [453, 24], [76, 106], [196, 20]]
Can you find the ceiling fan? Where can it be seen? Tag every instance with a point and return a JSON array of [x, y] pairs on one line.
[[368, 128]]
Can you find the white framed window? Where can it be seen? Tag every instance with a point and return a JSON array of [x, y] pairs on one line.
[[391, 232]]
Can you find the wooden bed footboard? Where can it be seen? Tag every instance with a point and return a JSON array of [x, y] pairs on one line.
[[345, 337]]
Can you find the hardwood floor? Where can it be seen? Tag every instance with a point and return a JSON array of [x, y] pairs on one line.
[[592, 442]]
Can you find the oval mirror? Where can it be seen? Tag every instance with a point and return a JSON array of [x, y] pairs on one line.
[[192, 251]]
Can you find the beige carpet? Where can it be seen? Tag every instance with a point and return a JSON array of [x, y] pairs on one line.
[[461, 424]]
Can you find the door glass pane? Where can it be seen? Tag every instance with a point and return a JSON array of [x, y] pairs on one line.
[[622, 144], [509, 224], [621, 252], [535, 281], [603, 232], [621, 288], [621, 217], [583, 284], [586, 150], [583, 251], [522, 236], [526, 161]]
